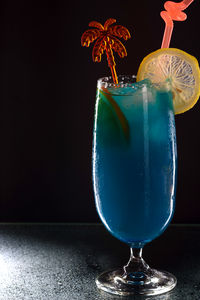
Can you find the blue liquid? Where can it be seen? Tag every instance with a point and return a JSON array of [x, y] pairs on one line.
[[134, 162]]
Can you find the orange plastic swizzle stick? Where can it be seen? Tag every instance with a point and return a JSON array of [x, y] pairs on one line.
[[174, 12], [106, 40]]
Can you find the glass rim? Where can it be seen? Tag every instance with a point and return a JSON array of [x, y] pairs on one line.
[[124, 80], [107, 85]]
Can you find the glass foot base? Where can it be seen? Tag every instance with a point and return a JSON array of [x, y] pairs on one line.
[[151, 282]]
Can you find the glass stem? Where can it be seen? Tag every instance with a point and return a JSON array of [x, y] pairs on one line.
[[136, 264]]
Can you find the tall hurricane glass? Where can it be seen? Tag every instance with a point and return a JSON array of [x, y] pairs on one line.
[[134, 176]]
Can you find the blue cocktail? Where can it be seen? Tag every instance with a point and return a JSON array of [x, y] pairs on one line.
[[134, 174]]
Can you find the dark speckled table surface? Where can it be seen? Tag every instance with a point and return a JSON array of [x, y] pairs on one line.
[[61, 261]]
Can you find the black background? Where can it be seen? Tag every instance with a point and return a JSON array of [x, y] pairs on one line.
[[47, 98]]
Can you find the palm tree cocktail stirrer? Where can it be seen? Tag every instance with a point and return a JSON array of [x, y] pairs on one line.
[[106, 40]]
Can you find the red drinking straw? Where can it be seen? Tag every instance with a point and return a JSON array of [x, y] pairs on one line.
[[174, 12]]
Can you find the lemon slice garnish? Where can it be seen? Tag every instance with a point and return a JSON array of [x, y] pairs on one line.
[[177, 67]]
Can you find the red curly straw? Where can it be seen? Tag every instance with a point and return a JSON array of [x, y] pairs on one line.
[[173, 13]]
